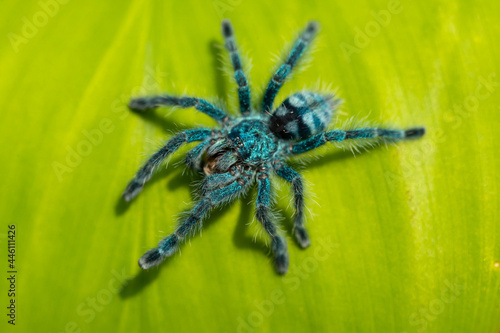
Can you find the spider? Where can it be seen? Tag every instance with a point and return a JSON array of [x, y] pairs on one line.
[[249, 148]]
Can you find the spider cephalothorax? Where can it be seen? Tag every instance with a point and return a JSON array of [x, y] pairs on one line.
[[247, 149]]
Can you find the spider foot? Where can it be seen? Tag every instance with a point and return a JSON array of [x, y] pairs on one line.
[[414, 133], [302, 237], [281, 261], [150, 259], [139, 104], [132, 190]]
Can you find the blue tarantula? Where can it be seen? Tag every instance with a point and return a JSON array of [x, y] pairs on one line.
[[248, 148]]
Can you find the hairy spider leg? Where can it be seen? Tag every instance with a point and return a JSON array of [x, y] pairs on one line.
[[363, 133], [152, 102], [293, 177], [219, 180], [278, 242], [194, 157], [170, 244], [144, 174], [239, 75], [285, 69]]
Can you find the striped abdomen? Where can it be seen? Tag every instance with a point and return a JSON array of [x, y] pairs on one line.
[[302, 115]]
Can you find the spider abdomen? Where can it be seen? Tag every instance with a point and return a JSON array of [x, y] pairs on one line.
[[302, 115]]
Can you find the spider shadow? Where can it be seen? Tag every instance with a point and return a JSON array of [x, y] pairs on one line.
[[162, 121], [240, 237], [220, 80], [169, 126], [324, 159], [182, 179], [144, 278], [317, 161], [141, 280]]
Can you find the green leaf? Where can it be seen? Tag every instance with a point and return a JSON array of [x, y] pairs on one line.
[[404, 238]]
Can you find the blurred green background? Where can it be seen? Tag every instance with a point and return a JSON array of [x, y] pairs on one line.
[[405, 239]]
